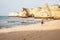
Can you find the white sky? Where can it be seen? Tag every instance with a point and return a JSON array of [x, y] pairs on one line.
[[13, 5]]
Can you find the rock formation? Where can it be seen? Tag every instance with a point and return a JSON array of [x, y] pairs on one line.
[[45, 11], [40, 12], [36, 11], [23, 12], [13, 14], [29, 10], [55, 10]]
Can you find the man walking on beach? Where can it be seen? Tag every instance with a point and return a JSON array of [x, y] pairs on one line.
[[42, 22]]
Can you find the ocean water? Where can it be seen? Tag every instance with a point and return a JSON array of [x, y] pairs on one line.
[[6, 22]]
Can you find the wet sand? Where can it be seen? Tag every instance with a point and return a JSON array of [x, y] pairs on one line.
[[48, 31]]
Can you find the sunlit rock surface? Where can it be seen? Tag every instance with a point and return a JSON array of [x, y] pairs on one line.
[[29, 10], [39, 12], [36, 11], [23, 12], [55, 10], [13, 14], [43, 12]]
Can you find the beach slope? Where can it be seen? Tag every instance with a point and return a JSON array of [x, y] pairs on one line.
[[48, 31]]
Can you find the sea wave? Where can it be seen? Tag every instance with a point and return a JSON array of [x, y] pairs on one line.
[[15, 21]]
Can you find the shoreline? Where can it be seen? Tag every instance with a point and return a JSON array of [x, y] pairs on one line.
[[22, 27], [48, 31]]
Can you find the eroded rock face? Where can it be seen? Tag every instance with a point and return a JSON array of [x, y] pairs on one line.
[[13, 14], [57, 15], [43, 12], [29, 10], [23, 12], [55, 10], [46, 11], [36, 11]]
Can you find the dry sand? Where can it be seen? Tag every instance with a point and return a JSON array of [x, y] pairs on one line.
[[49, 31]]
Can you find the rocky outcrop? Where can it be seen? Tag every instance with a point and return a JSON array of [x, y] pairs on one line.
[[23, 12], [39, 12], [29, 10], [36, 11], [55, 10], [44, 12], [47, 10], [57, 15], [13, 14]]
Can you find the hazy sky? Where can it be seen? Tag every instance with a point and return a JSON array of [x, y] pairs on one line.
[[13, 5]]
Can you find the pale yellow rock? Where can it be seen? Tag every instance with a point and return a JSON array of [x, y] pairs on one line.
[[55, 10], [23, 12], [13, 14], [54, 7], [46, 12], [57, 14], [36, 11], [29, 10]]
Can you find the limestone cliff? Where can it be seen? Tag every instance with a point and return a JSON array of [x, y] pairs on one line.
[[13, 14], [55, 10], [45, 12], [23, 12]]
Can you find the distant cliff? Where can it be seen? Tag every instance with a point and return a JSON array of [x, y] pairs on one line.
[[39, 12], [13, 13]]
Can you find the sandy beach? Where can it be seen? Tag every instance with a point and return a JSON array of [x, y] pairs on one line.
[[49, 31]]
